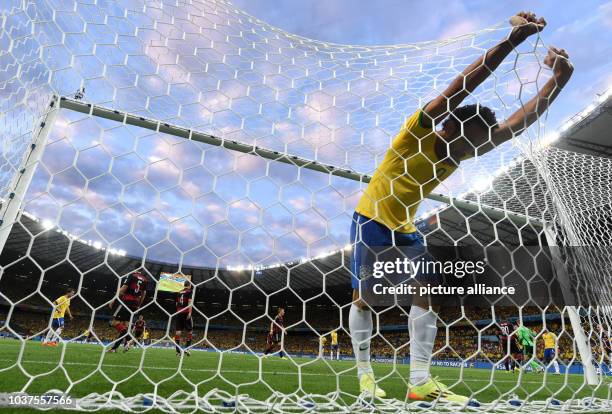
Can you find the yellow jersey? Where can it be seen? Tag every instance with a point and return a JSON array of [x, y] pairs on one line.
[[410, 170], [145, 335], [323, 340], [334, 338], [62, 304], [549, 340]]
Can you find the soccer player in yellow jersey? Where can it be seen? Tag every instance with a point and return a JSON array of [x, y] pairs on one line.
[[322, 343], [61, 306], [421, 157], [88, 334], [334, 345], [550, 350]]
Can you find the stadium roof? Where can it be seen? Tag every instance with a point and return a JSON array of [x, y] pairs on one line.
[[588, 132]]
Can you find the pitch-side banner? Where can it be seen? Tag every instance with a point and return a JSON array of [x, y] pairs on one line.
[[172, 282]]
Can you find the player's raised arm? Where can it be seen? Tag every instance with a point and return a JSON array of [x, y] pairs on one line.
[[558, 61], [479, 70]]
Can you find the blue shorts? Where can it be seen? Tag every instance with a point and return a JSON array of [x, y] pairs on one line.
[[334, 347], [57, 323], [367, 233], [549, 354]]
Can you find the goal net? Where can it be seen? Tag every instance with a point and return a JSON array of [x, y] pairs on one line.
[[186, 140]]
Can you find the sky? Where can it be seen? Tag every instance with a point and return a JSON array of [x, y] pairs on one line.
[[583, 28], [176, 201]]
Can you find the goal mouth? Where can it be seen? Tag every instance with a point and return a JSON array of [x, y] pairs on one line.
[[181, 230]]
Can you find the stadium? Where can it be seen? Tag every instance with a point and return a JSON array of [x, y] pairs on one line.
[[218, 160]]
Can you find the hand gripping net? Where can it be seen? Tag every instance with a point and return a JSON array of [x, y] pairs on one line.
[[188, 137]]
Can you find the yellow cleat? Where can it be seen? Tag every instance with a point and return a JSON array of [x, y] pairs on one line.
[[367, 384], [433, 390]]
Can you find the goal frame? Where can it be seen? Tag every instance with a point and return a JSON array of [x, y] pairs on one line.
[[21, 181]]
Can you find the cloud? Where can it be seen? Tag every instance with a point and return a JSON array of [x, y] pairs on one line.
[[463, 27], [605, 13]]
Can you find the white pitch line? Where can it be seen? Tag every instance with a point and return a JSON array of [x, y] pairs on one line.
[[207, 354], [235, 371]]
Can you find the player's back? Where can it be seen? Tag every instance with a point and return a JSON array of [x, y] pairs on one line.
[[505, 329], [139, 325], [62, 303], [279, 323], [390, 190], [182, 299], [136, 285], [334, 338]]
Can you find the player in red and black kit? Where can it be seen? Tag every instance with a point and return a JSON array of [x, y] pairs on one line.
[[276, 332], [508, 344], [183, 322], [137, 331], [131, 296]]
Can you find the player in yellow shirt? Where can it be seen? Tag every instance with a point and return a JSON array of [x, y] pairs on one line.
[[334, 345], [322, 343], [420, 158], [88, 335], [550, 350], [61, 307]]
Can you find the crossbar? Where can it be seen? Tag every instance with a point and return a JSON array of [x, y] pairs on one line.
[[194, 135]]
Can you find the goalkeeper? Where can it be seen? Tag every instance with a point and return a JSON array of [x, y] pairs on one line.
[[526, 340], [420, 158]]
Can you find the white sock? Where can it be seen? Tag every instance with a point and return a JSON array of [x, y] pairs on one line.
[[49, 336], [422, 330], [360, 327], [556, 365], [58, 333]]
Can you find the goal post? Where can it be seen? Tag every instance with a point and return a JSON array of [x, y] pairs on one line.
[[586, 353], [10, 208]]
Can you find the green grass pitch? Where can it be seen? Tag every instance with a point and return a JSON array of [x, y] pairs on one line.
[[237, 373]]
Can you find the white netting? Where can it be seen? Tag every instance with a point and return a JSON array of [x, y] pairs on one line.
[[113, 193]]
